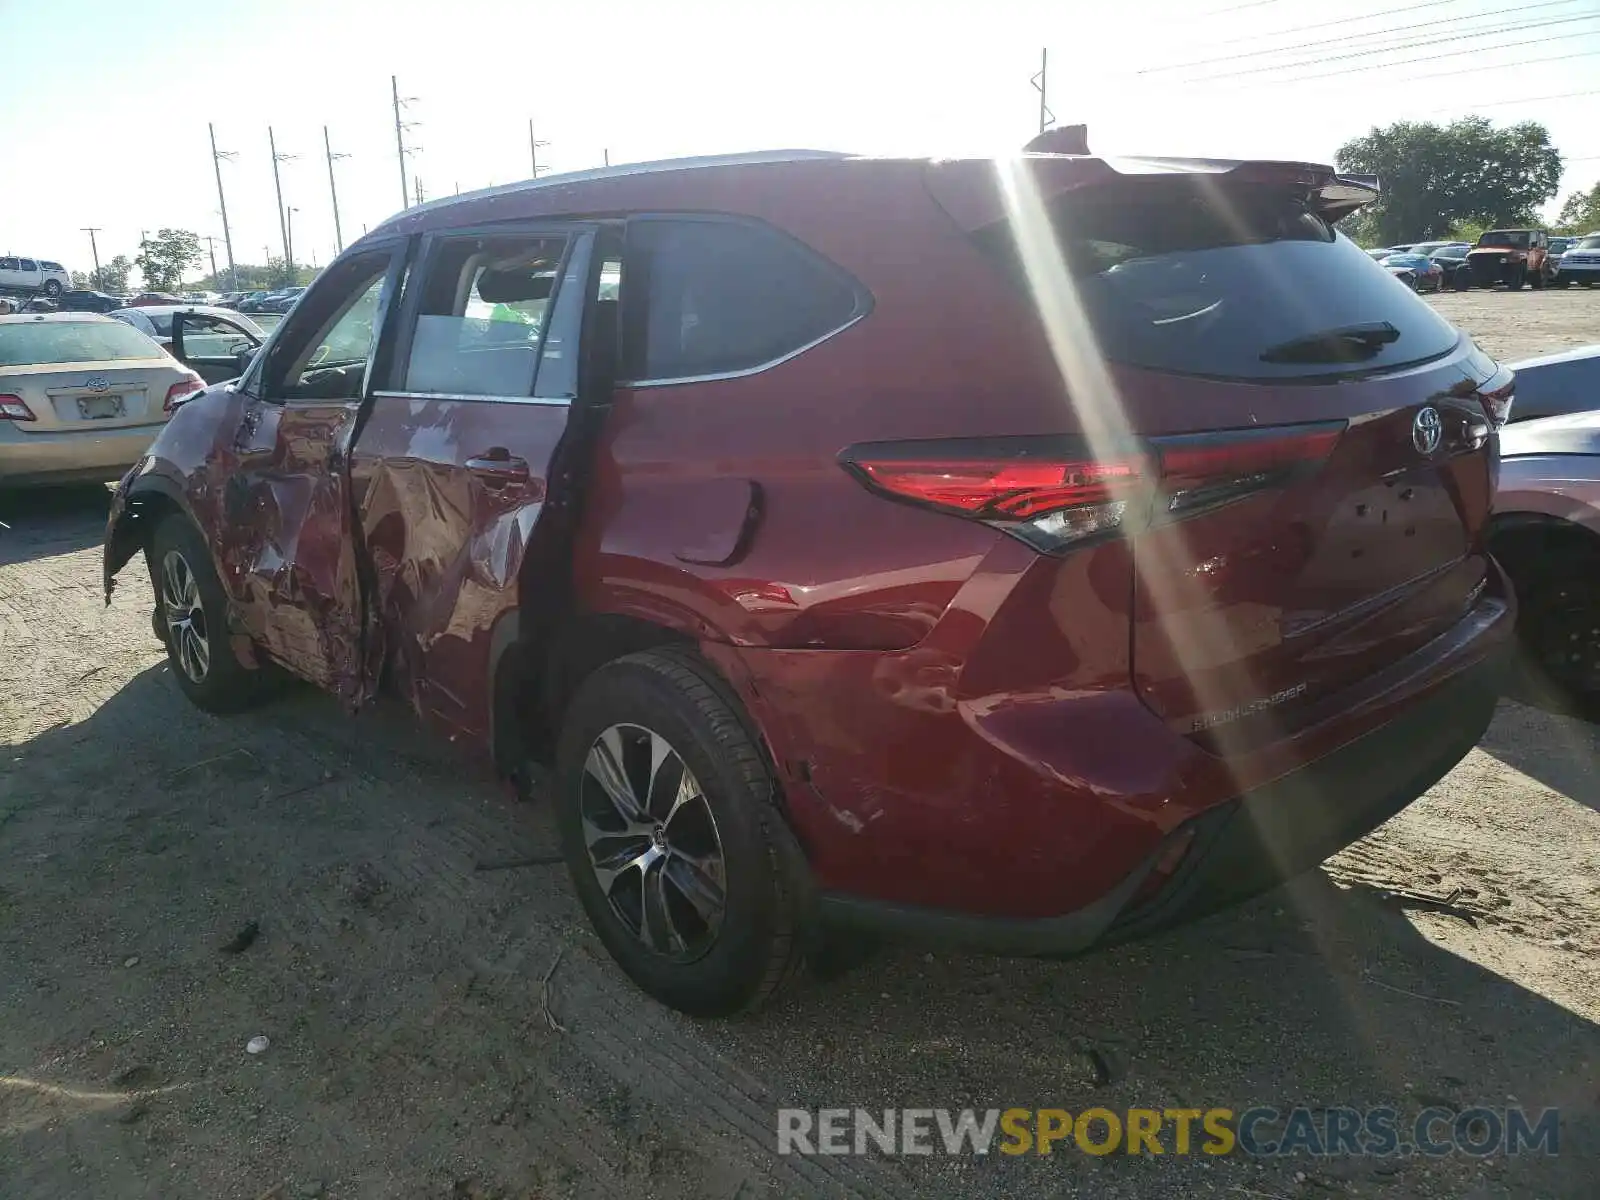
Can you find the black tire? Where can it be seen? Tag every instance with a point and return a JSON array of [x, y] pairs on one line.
[[1516, 281], [52, 288], [1462, 280], [223, 684], [1558, 629], [1536, 280], [739, 958]]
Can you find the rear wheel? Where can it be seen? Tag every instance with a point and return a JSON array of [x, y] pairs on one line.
[[670, 830], [192, 620], [52, 288], [1536, 280]]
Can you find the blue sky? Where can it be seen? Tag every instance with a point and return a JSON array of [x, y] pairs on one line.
[[106, 102]]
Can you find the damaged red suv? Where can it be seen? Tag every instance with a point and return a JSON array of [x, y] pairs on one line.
[[1022, 555]]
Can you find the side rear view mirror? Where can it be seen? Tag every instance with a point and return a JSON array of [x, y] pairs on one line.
[[244, 358]]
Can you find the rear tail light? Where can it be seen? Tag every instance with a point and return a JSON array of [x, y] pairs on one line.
[[181, 391], [1497, 395], [14, 408], [1054, 493]]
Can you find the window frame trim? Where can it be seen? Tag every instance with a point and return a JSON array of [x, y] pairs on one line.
[[865, 301], [422, 260]]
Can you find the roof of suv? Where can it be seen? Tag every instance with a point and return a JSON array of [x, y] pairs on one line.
[[748, 182]]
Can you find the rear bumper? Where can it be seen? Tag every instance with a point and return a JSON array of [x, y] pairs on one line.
[[1238, 848], [27, 459]]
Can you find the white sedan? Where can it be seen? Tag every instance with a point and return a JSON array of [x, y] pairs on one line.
[[81, 397]]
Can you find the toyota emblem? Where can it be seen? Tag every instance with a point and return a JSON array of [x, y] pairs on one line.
[[1427, 431], [97, 383]]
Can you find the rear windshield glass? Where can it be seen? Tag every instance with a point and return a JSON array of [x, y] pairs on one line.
[[1230, 282], [41, 342]]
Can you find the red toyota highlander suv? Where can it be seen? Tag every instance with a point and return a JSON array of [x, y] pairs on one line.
[[1020, 554]]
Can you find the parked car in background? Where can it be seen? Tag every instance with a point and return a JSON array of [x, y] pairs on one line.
[[146, 299], [1417, 271], [81, 396], [714, 544], [282, 302], [1433, 248], [33, 275], [1546, 534], [1581, 262], [217, 343], [252, 301], [88, 300], [1557, 384], [1452, 261], [1512, 257]]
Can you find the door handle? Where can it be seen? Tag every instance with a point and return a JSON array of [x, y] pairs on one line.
[[499, 465]]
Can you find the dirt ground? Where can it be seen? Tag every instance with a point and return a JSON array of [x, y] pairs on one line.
[[403, 973]]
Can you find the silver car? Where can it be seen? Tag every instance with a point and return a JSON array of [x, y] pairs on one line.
[[81, 397]]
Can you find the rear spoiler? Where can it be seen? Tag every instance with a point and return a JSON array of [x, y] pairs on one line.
[[970, 191]]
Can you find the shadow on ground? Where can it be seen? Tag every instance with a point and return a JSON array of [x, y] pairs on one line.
[[1315, 995], [40, 522], [1555, 745]]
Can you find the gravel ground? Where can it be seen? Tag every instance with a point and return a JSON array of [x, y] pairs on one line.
[[173, 885]]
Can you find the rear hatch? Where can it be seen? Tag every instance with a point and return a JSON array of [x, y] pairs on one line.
[[89, 396], [1298, 449], [85, 372]]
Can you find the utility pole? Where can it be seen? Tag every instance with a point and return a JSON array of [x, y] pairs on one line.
[[400, 128], [277, 183], [288, 245], [333, 190], [1046, 117], [94, 250], [607, 153], [211, 246], [418, 181], [227, 235], [533, 150]]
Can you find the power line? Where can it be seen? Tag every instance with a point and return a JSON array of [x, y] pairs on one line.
[[1387, 12], [1472, 70], [1517, 100], [1217, 12], [1410, 46], [1373, 33]]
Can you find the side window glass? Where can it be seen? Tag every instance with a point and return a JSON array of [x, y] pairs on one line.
[[27, 264], [723, 296], [323, 353], [481, 316], [8, 264]]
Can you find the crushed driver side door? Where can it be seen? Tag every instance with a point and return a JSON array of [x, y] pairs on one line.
[[289, 552]]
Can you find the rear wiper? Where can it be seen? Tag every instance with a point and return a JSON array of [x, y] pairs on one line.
[[1349, 343]]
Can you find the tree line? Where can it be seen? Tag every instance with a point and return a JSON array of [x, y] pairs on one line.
[[1449, 181], [163, 261]]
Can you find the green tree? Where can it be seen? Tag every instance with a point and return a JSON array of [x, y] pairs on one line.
[[1581, 212], [113, 276], [255, 278], [1435, 177], [164, 258]]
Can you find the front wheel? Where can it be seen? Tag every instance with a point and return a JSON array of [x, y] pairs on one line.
[[671, 831], [192, 620], [1559, 629], [52, 288]]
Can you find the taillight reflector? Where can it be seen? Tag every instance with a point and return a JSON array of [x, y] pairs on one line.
[[14, 408], [181, 391], [1042, 491]]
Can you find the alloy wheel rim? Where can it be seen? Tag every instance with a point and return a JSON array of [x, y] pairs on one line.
[[185, 617], [652, 842]]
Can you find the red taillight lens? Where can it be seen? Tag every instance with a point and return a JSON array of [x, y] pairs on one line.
[[1052, 493], [14, 408], [181, 391], [1001, 488]]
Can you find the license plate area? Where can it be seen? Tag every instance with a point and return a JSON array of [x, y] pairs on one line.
[[99, 408]]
